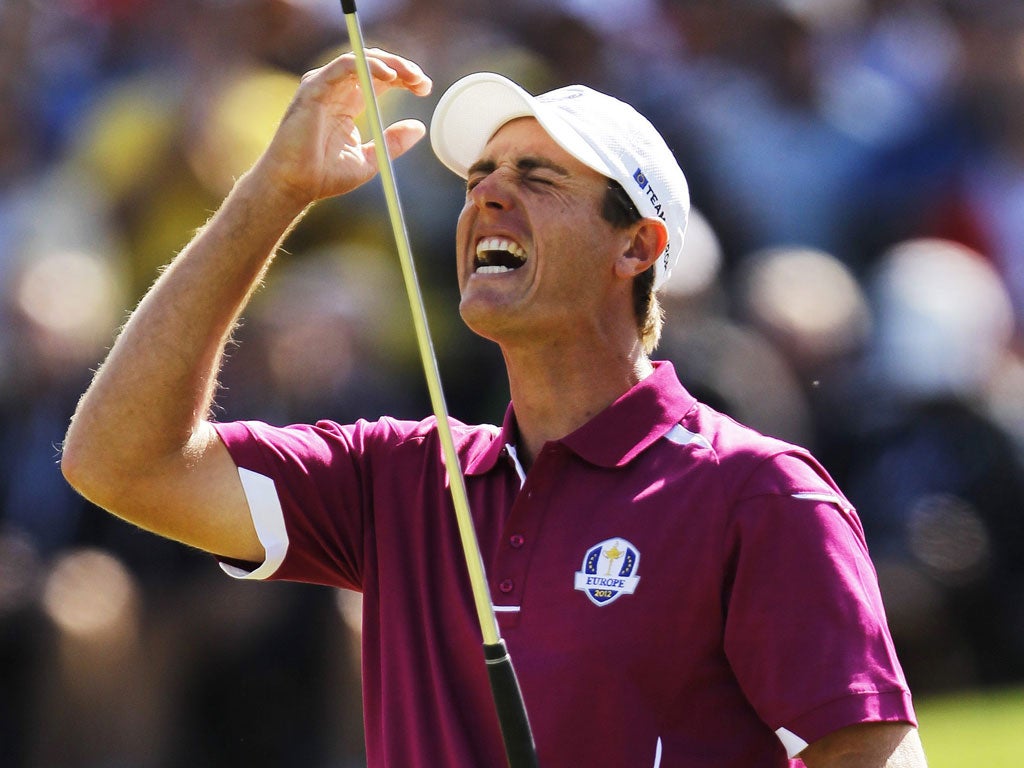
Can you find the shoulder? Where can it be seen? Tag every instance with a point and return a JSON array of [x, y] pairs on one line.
[[399, 433], [328, 438], [754, 464]]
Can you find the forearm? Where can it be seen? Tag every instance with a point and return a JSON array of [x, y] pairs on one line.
[[871, 745], [909, 753], [139, 443], [155, 388]]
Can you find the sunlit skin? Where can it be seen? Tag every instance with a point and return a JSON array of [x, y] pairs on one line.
[[526, 187], [141, 446], [564, 320]]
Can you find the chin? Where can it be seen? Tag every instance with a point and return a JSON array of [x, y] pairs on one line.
[[477, 321], [488, 319]]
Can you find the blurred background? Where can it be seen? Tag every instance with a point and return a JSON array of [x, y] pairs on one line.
[[853, 280]]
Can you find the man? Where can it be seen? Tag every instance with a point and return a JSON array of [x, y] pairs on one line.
[[674, 588]]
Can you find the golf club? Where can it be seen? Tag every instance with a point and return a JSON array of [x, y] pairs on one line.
[[515, 726]]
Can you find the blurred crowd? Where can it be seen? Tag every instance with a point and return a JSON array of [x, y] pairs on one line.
[[853, 280]]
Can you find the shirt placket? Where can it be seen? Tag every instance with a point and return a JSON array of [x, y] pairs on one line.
[[520, 535]]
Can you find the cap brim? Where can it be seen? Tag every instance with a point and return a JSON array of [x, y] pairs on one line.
[[470, 112], [473, 109]]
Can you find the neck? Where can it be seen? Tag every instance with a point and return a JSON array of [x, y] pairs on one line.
[[555, 390]]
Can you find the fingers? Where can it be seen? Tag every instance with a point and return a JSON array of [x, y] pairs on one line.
[[317, 150], [358, 164], [386, 69], [407, 72]]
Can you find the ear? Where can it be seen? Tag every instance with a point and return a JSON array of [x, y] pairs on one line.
[[646, 245]]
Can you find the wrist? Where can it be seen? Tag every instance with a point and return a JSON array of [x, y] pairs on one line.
[[276, 200]]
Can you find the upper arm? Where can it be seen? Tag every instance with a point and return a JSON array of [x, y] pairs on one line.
[[205, 492], [194, 496], [867, 745], [806, 632]]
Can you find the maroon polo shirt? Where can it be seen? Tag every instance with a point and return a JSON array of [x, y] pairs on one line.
[[674, 588]]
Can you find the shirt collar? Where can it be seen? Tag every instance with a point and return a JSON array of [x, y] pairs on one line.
[[637, 419], [483, 460], [619, 433]]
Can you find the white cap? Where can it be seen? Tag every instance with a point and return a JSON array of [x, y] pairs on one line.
[[600, 131]]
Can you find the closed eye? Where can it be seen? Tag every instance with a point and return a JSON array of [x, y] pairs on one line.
[[528, 178], [532, 170], [478, 172], [540, 180]]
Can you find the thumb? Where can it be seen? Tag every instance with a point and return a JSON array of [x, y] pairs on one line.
[[399, 138]]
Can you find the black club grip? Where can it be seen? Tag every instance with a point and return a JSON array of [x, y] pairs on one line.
[[508, 700]]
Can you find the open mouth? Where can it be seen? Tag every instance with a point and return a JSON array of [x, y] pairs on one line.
[[495, 255]]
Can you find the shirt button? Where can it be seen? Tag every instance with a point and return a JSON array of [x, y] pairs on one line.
[[516, 540], [507, 586]]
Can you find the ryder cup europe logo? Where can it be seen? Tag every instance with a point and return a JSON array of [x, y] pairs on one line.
[[608, 570]]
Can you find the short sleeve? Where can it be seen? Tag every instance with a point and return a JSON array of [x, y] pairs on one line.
[[312, 478], [806, 632]]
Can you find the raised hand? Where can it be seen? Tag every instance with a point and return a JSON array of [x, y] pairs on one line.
[[317, 151]]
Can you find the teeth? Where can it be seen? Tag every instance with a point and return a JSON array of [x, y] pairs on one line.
[[492, 270], [500, 244]]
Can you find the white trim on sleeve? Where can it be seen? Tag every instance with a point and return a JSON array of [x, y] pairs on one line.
[[794, 744], [268, 517]]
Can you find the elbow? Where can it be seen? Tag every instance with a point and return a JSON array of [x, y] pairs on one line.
[[81, 463], [74, 464]]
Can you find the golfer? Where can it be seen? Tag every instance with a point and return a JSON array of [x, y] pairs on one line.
[[676, 589]]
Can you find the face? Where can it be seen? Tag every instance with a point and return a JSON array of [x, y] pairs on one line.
[[535, 256]]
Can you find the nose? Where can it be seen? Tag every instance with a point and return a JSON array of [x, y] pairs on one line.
[[493, 191]]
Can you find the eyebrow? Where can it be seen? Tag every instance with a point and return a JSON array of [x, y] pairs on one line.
[[527, 163]]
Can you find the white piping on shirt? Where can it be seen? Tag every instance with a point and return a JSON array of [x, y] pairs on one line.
[[682, 436], [506, 608], [812, 496], [515, 461], [657, 753], [829, 498]]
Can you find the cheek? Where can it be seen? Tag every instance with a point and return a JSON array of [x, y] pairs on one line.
[[462, 229], [462, 225], [589, 251]]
